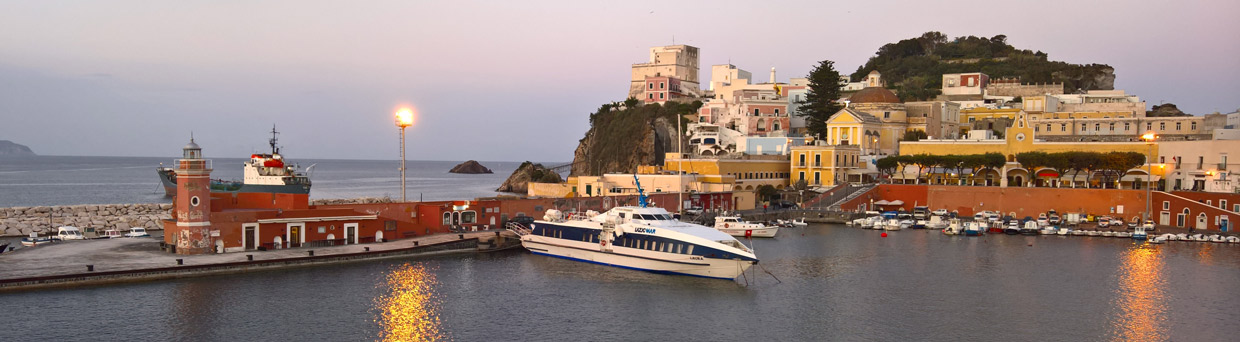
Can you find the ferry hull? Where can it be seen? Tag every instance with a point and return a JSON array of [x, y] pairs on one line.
[[167, 177], [636, 259]]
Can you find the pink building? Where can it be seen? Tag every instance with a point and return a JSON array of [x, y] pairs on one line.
[[660, 89]]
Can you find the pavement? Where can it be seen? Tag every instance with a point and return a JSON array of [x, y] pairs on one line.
[[71, 257]]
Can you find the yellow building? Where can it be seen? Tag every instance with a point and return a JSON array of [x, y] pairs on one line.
[[1021, 137], [747, 172], [971, 115], [825, 165]]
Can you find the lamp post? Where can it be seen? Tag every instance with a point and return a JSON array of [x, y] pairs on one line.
[[404, 118], [1149, 175]]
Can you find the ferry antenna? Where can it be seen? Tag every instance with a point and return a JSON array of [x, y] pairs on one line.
[[274, 149]]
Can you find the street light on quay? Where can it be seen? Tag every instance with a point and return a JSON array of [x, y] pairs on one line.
[[1149, 138], [404, 118]]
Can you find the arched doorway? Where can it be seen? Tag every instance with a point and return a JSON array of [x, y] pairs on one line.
[[219, 246], [379, 236], [1201, 221], [278, 242]]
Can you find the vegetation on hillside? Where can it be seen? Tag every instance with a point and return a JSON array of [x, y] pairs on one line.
[[616, 130], [914, 67]]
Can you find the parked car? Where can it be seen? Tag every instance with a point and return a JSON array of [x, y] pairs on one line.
[[783, 205], [940, 212]]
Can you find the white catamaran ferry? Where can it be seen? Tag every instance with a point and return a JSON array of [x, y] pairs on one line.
[[639, 238]]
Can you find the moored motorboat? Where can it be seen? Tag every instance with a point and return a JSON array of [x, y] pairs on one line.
[[34, 240], [1139, 234], [1030, 228], [1012, 229], [1063, 231], [1233, 239], [953, 228], [1093, 233], [734, 226], [1217, 238], [973, 229], [1078, 232], [1048, 230], [938, 222]]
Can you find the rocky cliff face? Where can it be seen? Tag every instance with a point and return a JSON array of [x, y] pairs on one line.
[[470, 167], [620, 140], [528, 172], [1087, 77], [9, 148]]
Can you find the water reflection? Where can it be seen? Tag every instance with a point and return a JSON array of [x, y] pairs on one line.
[[1140, 300], [408, 311]]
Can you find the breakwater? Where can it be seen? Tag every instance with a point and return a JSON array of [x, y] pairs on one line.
[[21, 221]]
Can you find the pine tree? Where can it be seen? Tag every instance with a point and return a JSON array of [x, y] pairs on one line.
[[820, 101]]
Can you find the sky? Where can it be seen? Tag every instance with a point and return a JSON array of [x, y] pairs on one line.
[[502, 80]]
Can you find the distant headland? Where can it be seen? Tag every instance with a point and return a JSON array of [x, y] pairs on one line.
[[9, 148]]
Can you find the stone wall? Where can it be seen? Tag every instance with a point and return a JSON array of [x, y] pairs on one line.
[[21, 221]]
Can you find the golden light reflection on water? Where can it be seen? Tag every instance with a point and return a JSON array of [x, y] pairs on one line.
[[409, 310], [1140, 300]]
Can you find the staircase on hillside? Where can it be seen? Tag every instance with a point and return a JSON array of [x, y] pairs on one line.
[[853, 192]]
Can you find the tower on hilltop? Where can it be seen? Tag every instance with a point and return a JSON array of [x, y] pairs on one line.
[[193, 203]]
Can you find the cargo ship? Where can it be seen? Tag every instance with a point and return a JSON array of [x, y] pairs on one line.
[[265, 173]]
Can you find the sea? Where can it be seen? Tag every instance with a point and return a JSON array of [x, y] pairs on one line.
[[71, 180], [824, 282]]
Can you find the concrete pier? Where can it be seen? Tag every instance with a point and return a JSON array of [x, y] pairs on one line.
[[140, 259]]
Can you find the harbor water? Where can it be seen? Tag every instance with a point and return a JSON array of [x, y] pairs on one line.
[[835, 283]]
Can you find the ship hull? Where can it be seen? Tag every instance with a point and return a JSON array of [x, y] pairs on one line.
[[635, 259], [167, 177]]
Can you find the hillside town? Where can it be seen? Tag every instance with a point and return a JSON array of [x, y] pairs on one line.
[[748, 138]]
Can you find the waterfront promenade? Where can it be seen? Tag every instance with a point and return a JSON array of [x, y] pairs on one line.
[[140, 259]]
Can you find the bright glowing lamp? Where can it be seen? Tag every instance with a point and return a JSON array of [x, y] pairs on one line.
[[404, 117]]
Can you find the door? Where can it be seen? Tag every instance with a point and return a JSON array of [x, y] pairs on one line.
[[1164, 218], [1201, 221], [350, 233], [251, 237], [294, 236]]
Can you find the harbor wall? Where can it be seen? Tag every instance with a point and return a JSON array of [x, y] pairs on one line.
[[21, 221]]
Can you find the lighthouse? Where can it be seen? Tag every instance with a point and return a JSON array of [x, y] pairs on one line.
[[193, 203]]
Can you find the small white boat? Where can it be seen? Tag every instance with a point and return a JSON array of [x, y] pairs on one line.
[[892, 224], [34, 240], [1093, 233], [953, 228], [1233, 239], [974, 229], [920, 224], [137, 232], [1217, 238], [1123, 234], [1063, 231], [1158, 239], [1200, 238], [734, 226], [938, 222], [69, 233], [906, 224], [1107, 233], [1078, 232], [1048, 230], [1183, 237], [799, 222], [111, 234]]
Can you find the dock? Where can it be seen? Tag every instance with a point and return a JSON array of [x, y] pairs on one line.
[[96, 262]]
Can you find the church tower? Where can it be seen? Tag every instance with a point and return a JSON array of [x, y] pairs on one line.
[[193, 202]]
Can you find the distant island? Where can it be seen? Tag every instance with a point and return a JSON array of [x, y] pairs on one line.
[[9, 148], [470, 167]]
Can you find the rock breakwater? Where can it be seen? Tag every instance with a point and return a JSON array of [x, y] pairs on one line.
[[21, 221]]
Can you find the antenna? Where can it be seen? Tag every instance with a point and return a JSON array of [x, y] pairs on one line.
[[274, 149]]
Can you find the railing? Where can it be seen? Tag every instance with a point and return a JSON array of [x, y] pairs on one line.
[[1222, 166]]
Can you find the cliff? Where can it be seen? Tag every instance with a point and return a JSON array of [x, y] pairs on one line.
[[9, 148], [622, 137], [470, 167], [528, 172]]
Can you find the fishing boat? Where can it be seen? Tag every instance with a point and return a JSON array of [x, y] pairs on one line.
[[639, 238], [1048, 230], [1012, 228], [938, 222], [953, 228], [137, 232], [34, 240], [892, 224], [974, 229], [1030, 228], [1063, 231], [263, 173], [69, 233], [111, 234], [1139, 234]]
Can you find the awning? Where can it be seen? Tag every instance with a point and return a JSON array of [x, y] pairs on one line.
[[1138, 178], [896, 202], [1048, 173], [860, 171], [882, 202]]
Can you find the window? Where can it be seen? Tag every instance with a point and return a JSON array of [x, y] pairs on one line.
[[1112, 127], [756, 111], [1162, 126], [1062, 127], [801, 175], [469, 217], [1149, 126], [1194, 125], [1037, 129], [447, 218], [802, 157], [1082, 127], [661, 85], [1222, 204], [1126, 127], [1177, 126], [1097, 127], [1166, 205], [1200, 160], [650, 96], [886, 115], [651, 86], [1048, 127], [970, 119], [776, 111], [817, 160], [660, 96]]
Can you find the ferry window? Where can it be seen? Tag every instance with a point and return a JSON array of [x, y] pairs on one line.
[[690, 250], [666, 247], [621, 215]]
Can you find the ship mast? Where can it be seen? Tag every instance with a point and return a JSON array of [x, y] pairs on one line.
[[274, 150]]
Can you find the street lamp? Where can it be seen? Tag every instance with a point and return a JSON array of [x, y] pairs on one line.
[[1149, 174], [404, 118]]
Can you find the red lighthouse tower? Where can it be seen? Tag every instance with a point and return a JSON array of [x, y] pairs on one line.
[[193, 203]]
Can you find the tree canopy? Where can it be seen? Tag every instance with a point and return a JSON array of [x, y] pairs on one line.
[[820, 100]]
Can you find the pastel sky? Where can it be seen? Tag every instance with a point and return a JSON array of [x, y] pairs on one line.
[[502, 80]]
